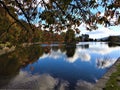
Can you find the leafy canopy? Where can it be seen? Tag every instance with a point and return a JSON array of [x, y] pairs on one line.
[[61, 14]]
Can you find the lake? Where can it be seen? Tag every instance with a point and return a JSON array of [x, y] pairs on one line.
[[57, 66]]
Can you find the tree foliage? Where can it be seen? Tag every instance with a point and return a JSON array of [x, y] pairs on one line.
[[14, 33], [70, 37], [58, 15], [61, 12]]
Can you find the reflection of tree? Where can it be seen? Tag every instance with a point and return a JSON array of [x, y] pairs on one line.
[[85, 46], [9, 68], [10, 63], [55, 48], [20, 57], [62, 48], [47, 49], [111, 44], [70, 50], [28, 54]]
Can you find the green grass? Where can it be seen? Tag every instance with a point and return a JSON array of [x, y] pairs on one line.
[[112, 83]]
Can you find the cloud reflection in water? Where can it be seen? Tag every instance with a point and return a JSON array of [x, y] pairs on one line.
[[43, 82], [83, 85], [79, 56], [104, 62], [27, 81], [83, 56], [66, 68]]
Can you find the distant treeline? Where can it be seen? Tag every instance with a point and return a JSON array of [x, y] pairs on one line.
[[112, 39]]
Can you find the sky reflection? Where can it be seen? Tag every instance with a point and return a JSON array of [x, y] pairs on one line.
[[58, 67], [25, 80], [79, 66], [84, 54]]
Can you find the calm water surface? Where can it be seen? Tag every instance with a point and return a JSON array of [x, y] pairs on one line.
[[57, 67]]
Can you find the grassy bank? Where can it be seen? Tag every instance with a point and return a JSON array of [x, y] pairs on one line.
[[114, 81]]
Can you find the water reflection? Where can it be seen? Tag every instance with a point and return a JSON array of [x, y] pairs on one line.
[[105, 62], [56, 67], [11, 63], [70, 51], [26, 80], [79, 55], [37, 82], [83, 85]]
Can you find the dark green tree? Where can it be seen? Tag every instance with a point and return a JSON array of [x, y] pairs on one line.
[[70, 37]]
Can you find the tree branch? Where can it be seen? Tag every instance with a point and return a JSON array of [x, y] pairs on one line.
[[24, 14], [59, 7], [5, 7]]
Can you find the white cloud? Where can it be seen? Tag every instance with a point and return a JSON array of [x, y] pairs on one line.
[[104, 63], [101, 31]]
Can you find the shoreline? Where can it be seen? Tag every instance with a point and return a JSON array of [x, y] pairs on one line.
[[100, 85], [6, 49]]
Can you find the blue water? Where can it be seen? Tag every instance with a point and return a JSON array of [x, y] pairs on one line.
[[70, 67]]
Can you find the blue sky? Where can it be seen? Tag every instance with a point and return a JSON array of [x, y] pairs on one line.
[[101, 31]]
